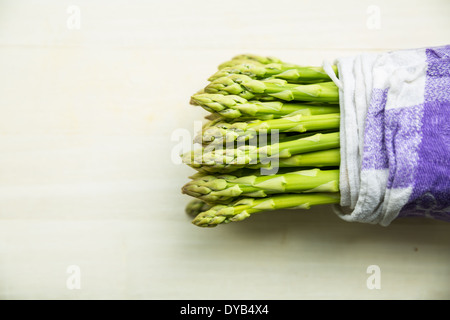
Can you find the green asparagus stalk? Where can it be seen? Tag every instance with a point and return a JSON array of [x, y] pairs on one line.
[[196, 206], [318, 159], [257, 60], [245, 130], [224, 188], [258, 141], [224, 158], [248, 88], [247, 171], [244, 208], [250, 58], [233, 106], [291, 73]]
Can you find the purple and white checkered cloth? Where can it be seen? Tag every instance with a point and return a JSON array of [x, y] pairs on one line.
[[395, 135]]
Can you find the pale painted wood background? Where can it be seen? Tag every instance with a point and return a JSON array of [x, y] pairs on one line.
[[87, 178]]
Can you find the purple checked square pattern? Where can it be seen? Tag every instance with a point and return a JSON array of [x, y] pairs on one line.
[[431, 192], [403, 135]]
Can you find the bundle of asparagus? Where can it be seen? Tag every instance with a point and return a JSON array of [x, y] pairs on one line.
[[271, 141]]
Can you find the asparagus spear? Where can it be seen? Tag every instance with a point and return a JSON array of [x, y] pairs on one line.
[[224, 159], [319, 159], [256, 60], [248, 88], [291, 73], [223, 188], [258, 141], [247, 171], [249, 58], [245, 130], [233, 106], [195, 206], [244, 208]]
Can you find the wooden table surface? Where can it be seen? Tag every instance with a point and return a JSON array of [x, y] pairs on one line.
[[93, 96]]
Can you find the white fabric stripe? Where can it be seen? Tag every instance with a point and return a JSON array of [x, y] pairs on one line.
[[395, 199]]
